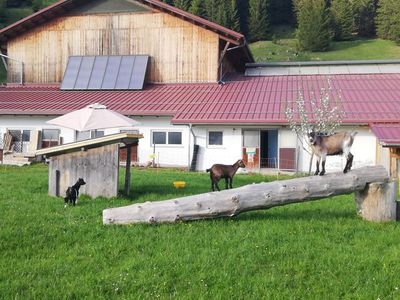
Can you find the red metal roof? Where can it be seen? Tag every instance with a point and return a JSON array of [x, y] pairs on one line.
[[387, 134], [247, 100]]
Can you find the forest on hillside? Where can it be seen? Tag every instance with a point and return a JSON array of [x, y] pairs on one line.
[[317, 22]]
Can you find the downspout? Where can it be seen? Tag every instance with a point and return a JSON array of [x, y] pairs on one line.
[[193, 164]]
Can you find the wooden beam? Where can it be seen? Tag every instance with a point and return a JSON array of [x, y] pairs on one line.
[[128, 169]]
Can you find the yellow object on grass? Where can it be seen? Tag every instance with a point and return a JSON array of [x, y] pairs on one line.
[[179, 184]]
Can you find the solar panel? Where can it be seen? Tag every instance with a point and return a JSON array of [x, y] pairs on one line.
[[98, 71], [111, 74], [125, 72], [85, 71], [138, 73], [71, 72], [115, 72]]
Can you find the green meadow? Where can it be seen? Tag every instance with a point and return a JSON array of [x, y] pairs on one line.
[[314, 250]]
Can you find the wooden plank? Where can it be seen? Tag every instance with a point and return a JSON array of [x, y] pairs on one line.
[[128, 169]]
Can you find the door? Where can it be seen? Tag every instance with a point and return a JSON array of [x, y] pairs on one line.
[[269, 149], [251, 149]]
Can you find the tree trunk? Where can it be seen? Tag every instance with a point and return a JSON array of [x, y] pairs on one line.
[[377, 202], [228, 203]]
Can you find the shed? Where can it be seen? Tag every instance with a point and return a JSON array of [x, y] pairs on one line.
[[95, 160]]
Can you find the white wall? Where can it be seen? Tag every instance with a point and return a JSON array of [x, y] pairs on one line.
[[166, 155], [228, 153]]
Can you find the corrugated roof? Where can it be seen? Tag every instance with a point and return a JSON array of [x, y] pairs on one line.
[[387, 134], [246, 100]]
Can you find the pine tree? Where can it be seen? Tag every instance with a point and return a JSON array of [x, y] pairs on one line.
[[233, 21], [343, 19], [243, 13], [364, 17], [2, 13], [197, 8], [313, 25], [258, 20], [211, 7], [182, 4], [388, 20], [37, 5]]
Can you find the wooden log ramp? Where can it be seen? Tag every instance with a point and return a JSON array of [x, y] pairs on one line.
[[228, 203]]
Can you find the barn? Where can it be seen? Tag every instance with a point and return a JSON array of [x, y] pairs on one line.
[[187, 81]]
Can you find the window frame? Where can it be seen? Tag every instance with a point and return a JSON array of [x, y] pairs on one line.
[[167, 132], [215, 145]]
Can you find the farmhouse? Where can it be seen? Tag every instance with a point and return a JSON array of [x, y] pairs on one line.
[[187, 81]]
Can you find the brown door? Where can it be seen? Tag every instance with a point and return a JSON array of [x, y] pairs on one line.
[[122, 154]]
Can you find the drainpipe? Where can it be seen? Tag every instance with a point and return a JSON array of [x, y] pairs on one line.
[[191, 133]]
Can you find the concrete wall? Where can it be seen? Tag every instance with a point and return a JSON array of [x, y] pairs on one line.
[[99, 167]]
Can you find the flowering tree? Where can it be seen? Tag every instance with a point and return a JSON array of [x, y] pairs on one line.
[[322, 114]]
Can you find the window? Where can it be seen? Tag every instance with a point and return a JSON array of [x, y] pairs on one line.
[[251, 138], [50, 137], [20, 139], [50, 134], [174, 138], [133, 131], [215, 138], [167, 138], [89, 134]]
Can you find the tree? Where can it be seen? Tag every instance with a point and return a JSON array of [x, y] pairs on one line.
[[343, 19], [313, 25], [364, 15], [324, 115], [243, 14], [258, 20], [182, 4], [197, 8], [2, 13], [281, 12], [388, 20], [233, 21], [37, 5]]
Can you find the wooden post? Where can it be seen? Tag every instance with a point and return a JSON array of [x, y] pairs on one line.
[[128, 169], [377, 202], [232, 202]]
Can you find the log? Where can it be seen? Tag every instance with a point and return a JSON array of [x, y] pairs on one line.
[[228, 203], [377, 202]]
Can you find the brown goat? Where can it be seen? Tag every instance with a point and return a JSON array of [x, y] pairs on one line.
[[219, 171], [335, 144]]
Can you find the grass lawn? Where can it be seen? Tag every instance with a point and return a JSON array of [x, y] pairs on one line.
[[283, 48], [314, 250]]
